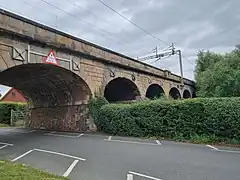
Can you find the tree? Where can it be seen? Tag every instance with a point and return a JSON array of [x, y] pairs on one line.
[[218, 75]]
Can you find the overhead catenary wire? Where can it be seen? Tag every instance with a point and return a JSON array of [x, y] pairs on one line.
[[115, 11], [95, 15], [79, 19]]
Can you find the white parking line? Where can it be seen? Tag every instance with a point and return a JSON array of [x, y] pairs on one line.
[[6, 144], [21, 156], [60, 135], [69, 170], [212, 147], [129, 177], [158, 142], [132, 142], [60, 154], [32, 131], [109, 138], [80, 135], [143, 175], [1, 147], [229, 151]]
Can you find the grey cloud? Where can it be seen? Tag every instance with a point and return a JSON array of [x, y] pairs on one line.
[[192, 25]]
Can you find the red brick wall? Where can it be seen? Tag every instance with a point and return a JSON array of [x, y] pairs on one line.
[[14, 96]]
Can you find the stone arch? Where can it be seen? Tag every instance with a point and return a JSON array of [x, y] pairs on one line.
[[154, 91], [186, 94], [121, 89], [174, 93], [194, 94], [57, 96]]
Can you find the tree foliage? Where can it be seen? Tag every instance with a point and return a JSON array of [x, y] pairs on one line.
[[218, 75]]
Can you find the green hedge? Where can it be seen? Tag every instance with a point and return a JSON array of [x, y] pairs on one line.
[[213, 117], [5, 110], [95, 105]]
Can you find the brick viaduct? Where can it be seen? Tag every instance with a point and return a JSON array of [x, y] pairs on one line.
[[58, 95]]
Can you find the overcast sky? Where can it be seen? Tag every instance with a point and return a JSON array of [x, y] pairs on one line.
[[192, 25]]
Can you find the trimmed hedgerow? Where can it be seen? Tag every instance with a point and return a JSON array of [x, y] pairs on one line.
[[186, 119], [95, 105], [5, 110]]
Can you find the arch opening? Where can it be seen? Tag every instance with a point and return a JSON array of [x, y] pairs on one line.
[[174, 93], [56, 95], [154, 91], [186, 94], [121, 89]]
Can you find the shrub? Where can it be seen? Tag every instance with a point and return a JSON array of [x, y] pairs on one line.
[[210, 119], [5, 110], [95, 105]]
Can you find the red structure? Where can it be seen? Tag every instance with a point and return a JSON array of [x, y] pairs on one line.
[[13, 95]]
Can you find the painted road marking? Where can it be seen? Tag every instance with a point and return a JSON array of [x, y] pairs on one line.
[[212, 147], [60, 154], [132, 142], [143, 175], [222, 150], [1, 147], [229, 151], [109, 138], [129, 177], [50, 152], [24, 132], [60, 135], [158, 142], [69, 170], [2, 129], [6, 144], [80, 135], [21, 156]]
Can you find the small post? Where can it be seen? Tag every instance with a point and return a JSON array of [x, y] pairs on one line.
[[11, 119], [129, 177], [71, 63], [28, 54], [181, 67]]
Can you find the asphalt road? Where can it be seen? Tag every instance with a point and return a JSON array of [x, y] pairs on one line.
[[102, 157]]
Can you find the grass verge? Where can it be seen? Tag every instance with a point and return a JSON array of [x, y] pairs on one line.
[[12, 171]]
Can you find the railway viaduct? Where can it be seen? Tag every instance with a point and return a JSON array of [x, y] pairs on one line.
[[58, 94]]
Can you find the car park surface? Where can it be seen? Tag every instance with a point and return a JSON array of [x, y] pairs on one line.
[[85, 156]]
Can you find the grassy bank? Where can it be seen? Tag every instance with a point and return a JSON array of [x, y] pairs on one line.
[[11, 171]]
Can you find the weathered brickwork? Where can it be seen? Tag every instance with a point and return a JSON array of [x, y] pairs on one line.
[[67, 118], [58, 95]]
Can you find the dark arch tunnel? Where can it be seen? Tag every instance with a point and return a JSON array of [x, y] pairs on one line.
[[56, 95], [154, 91], [121, 89], [186, 94], [174, 93]]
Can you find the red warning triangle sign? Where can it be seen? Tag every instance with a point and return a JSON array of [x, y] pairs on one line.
[[51, 58]]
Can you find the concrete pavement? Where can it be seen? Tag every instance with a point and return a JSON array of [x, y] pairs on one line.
[[102, 157]]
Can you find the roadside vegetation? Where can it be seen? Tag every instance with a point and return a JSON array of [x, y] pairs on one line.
[[213, 117], [218, 75], [5, 111], [12, 171], [200, 120]]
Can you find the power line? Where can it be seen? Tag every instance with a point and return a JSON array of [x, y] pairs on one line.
[[90, 24], [80, 7], [153, 36], [95, 15]]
